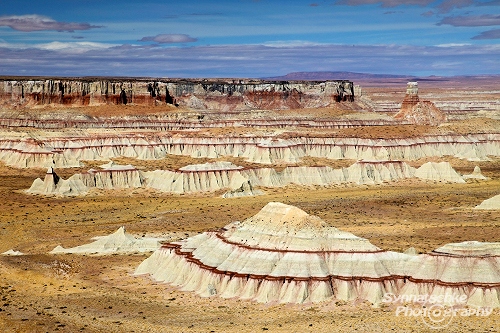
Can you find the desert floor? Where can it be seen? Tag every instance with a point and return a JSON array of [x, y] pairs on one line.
[[41, 292], [68, 293]]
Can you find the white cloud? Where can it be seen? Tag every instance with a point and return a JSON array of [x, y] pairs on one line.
[[169, 38], [73, 46], [83, 59], [27, 23], [290, 43], [453, 45]]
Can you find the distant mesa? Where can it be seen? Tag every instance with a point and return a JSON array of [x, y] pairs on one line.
[[200, 94], [419, 112]]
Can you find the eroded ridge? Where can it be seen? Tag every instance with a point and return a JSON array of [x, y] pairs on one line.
[[281, 254], [62, 152]]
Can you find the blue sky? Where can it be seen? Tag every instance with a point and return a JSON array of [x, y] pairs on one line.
[[248, 38]]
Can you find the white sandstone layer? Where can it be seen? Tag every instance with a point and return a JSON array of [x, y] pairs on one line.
[[467, 270], [70, 151], [281, 254], [212, 177], [442, 172]]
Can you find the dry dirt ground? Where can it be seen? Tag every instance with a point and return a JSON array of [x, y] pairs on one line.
[[73, 293], [68, 293]]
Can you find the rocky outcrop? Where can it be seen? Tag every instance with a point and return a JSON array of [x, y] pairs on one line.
[[442, 172], [492, 203], [411, 98], [176, 124], [422, 113], [418, 112], [239, 181], [54, 185], [476, 174], [281, 254], [203, 94], [118, 242], [66, 152]]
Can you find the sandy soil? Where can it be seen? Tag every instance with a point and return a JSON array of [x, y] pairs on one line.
[[68, 293], [73, 293]]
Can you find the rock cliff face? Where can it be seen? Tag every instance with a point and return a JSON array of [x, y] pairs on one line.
[[418, 112], [197, 94], [411, 98]]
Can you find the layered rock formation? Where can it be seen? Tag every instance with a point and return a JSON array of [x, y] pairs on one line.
[[165, 124], [467, 270], [62, 152], [281, 254], [212, 177], [418, 112], [203, 94]]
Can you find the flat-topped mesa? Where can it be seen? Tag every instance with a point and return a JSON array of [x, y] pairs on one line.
[[214, 94]]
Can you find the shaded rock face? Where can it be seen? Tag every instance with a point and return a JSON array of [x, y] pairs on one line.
[[419, 112], [411, 98], [197, 94]]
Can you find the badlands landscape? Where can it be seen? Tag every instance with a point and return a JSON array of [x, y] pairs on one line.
[[236, 205]]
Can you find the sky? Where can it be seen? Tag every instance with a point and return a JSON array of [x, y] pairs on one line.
[[248, 38]]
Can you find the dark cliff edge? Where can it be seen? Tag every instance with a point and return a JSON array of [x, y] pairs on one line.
[[221, 94]]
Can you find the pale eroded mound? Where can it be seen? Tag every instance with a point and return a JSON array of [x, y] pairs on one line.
[[476, 174], [12, 252], [492, 203], [422, 113], [442, 171], [468, 270], [118, 242], [281, 254], [54, 185]]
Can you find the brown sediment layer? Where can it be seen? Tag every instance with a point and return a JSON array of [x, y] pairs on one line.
[[190, 258]]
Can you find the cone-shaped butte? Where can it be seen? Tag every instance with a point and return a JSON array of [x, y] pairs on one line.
[[281, 254], [466, 273]]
